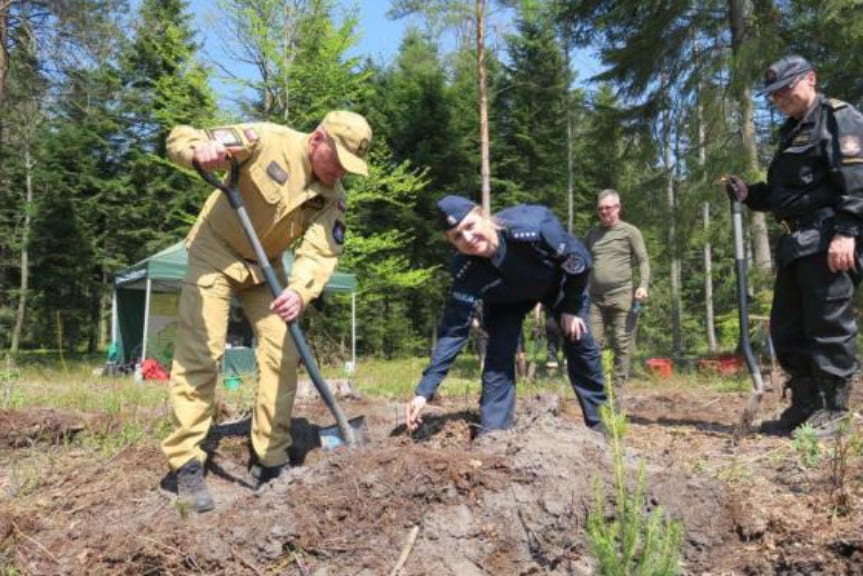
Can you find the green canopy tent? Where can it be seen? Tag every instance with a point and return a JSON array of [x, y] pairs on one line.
[[145, 301]]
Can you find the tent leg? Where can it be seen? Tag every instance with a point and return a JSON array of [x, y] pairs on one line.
[[147, 293], [353, 332]]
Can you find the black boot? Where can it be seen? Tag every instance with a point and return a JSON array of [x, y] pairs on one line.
[[192, 488], [832, 412], [264, 474], [804, 402]]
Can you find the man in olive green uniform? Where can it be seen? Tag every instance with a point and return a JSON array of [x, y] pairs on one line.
[[291, 185], [616, 247]]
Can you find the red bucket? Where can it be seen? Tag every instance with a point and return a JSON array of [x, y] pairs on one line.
[[730, 364], [660, 367]]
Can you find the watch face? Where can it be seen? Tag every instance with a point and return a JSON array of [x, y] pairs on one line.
[[339, 232]]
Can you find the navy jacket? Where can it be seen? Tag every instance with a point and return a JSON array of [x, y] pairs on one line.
[[537, 261]]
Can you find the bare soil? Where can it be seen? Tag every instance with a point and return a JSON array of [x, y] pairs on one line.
[[509, 503]]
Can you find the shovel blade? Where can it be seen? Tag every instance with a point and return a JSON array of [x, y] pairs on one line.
[[331, 437]]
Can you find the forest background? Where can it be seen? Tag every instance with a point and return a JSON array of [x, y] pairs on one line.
[[482, 98]]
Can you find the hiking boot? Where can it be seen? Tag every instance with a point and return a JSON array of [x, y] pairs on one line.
[[789, 419], [191, 487], [600, 429], [263, 475], [805, 401], [832, 412], [828, 423]]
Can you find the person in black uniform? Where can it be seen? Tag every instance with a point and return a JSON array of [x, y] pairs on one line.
[[506, 264], [814, 189]]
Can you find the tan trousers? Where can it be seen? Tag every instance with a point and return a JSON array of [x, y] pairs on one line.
[[199, 345]]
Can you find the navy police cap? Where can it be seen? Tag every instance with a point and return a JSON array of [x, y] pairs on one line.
[[454, 209], [783, 72]]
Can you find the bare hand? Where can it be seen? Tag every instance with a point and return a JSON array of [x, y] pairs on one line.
[[841, 255], [288, 305], [211, 155], [412, 413], [640, 294], [573, 326]]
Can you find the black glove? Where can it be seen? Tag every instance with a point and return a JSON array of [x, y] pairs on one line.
[[736, 188]]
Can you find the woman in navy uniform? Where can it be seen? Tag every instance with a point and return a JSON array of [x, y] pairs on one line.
[[505, 265]]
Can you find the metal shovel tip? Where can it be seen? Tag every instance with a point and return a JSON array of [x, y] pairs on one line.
[[748, 417], [332, 437]]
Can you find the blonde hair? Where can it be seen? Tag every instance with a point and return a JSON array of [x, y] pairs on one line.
[[487, 218]]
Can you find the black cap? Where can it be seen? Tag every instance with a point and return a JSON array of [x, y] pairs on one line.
[[783, 72], [454, 209]]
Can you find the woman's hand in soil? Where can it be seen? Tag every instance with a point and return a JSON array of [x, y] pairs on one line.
[[412, 413]]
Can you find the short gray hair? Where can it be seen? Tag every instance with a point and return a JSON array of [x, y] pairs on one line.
[[608, 193]]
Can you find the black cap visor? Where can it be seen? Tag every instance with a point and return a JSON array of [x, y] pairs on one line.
[[785, 82]]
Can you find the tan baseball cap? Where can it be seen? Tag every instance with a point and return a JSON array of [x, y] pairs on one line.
[[353, 138]]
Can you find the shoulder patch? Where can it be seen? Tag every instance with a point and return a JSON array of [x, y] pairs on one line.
[[573, 265], [339, 232], [342, 206], [836, 104], [229, 137], [251, 135], [850, 145], [277, 173]]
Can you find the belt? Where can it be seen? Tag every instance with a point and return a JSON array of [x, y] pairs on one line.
[[813, 220]]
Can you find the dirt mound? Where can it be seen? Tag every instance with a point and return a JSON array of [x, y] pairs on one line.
[[511, 502]]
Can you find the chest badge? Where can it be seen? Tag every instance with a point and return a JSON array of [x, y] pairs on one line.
[[277, 173], [850, 145]]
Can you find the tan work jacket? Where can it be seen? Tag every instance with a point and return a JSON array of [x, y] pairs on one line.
[[284, 201]]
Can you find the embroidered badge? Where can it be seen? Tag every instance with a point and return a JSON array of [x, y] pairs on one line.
[[850, 145], [251, 135], [339, 232], [363, 147], [229, 137], [315, 203], [277, 173], [573, 265]]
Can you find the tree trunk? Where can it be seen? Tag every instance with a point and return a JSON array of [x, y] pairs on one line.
[[4, 57], [485, 169], [25, 254], [708, 283], [570, 178], [709, 320], [671, 193], [740, 15], [4, 43]]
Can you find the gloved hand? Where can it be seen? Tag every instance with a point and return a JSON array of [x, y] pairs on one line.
[[412, 413], [736, 188]]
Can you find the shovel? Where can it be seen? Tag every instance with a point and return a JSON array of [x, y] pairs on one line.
[[744, 342], [345, 431]]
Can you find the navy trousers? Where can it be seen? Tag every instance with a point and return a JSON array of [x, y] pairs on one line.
[[497, 403]]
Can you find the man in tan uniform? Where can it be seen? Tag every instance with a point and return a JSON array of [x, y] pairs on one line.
[[291, 187], [616, 247]]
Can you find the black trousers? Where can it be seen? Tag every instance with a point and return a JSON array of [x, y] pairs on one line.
[[812, 320]]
